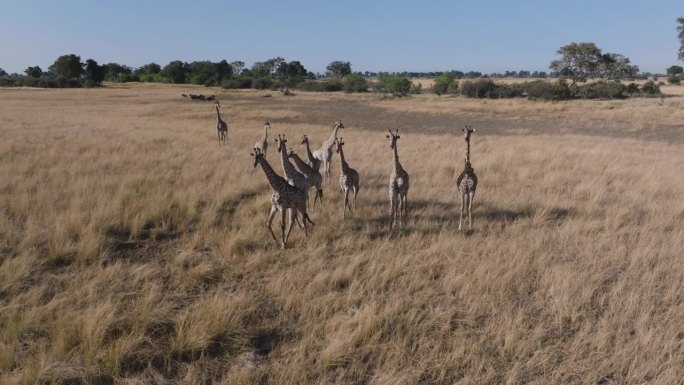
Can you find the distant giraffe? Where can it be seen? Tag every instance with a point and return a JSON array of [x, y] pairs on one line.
[[263, 143], [398, 185], [467, 182], [285, 198], [293, 176], [324, 153], [349, 178], [313, 162], [314, 177], [221, 126]]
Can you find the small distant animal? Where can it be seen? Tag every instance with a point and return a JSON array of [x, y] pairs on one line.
[[184, 95], [211, 98]]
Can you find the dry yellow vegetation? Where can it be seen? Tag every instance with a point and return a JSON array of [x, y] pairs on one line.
[[133, 248]]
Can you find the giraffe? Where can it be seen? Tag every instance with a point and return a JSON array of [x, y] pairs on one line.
[[314, 177], [263, 143], [221, 126], [324, 153], [293, 176], [398, 185], [313, 162], [349, 178], [467, 182], [285, 198]]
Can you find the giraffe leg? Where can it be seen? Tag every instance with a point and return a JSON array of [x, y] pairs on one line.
[[270, 220], [282, 228], [356, 192], [346, 202], [393, 210], [460, 219], [400, 210], [304, 216], [405, 206], [293, 214], [470, 210]]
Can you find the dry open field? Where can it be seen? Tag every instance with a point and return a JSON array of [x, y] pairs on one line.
[[133, 248]]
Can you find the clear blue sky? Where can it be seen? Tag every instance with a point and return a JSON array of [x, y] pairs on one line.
[[487, 36]]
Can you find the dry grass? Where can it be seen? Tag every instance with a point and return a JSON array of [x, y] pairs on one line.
[[133, 248]]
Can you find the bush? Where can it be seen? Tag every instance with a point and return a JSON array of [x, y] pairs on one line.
[[239, 82], [395, 85], [262, 83], [673, 79], [602, 90], [320, 86], [445, 84], [650, 89], [540, 89], [477, 88], [354, 83], [632, 88]]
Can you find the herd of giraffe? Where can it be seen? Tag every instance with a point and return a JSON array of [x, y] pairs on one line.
[[290, 194]]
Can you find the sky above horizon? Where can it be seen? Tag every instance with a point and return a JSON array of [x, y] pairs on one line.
[[487, 36]]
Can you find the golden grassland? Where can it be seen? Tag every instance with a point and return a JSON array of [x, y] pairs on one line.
[[133, 248]]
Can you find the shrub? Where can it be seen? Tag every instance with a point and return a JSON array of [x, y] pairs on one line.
[[650, 89], [395, 85], [262, 83], [673, 79], [354, 83], [540, 89], [320, 86], [602, 90], [632, 88], [445, 83], [239, 82], [477, 88]]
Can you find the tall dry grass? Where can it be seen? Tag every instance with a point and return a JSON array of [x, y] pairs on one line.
[[134, 249]]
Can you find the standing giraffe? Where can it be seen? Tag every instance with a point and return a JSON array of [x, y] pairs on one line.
[[313, 162], [221, 126], [467, 182], [312, 176], [263, 143], [324, 153], [398, 185], [293, 176], [285, 198], [349, 178]]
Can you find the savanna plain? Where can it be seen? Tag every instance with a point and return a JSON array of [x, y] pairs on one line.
[[133, 248]]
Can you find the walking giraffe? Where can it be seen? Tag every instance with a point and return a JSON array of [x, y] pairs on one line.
[[398, 185], [285, 198], [221, 126], [324, 153], [467, 182], [263, 143], [349, 178], [313, 162], [314, 177]]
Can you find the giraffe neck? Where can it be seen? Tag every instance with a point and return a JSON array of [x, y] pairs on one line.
[[265, 134], [288, 169], [218, 115], [343, 162], [467, 154], [332, 138], [300, 163], [275, 180], [309, 154], [395, 156]]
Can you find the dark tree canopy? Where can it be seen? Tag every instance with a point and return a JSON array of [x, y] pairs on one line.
[[581, 61], [34, 72], [68, 66], [115, 70], [3, 72], [675, 70], [339, 68], [680, 30], [175, 71], [95, 72]]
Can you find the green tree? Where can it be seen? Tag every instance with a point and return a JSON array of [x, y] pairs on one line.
[[34, 72], [175, 71], [395, 85], [579, 61], [115, 71], [94, 72], [339, 69], [3, 72], [615, 66], [68, 66], [354, 83], [675, 70], [443, 83], [680, 30], [237, 66]]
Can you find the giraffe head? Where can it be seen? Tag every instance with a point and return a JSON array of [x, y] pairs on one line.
[[258, 155], [339, 143], [393, 138], [280, 141], [338, 124], [467, 131], [267, 125], [217, 103], [291, 153], [305, 140]]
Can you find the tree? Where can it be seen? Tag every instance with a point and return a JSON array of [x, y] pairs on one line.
[[339, 69], [675, 70], [579, 61], [68, 66], [114, 71], [149, 69], [237, 66], [395, 85], [94, 72], [680, 29], [34, 72], [615, 66], [175, 71], [3, 72]]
